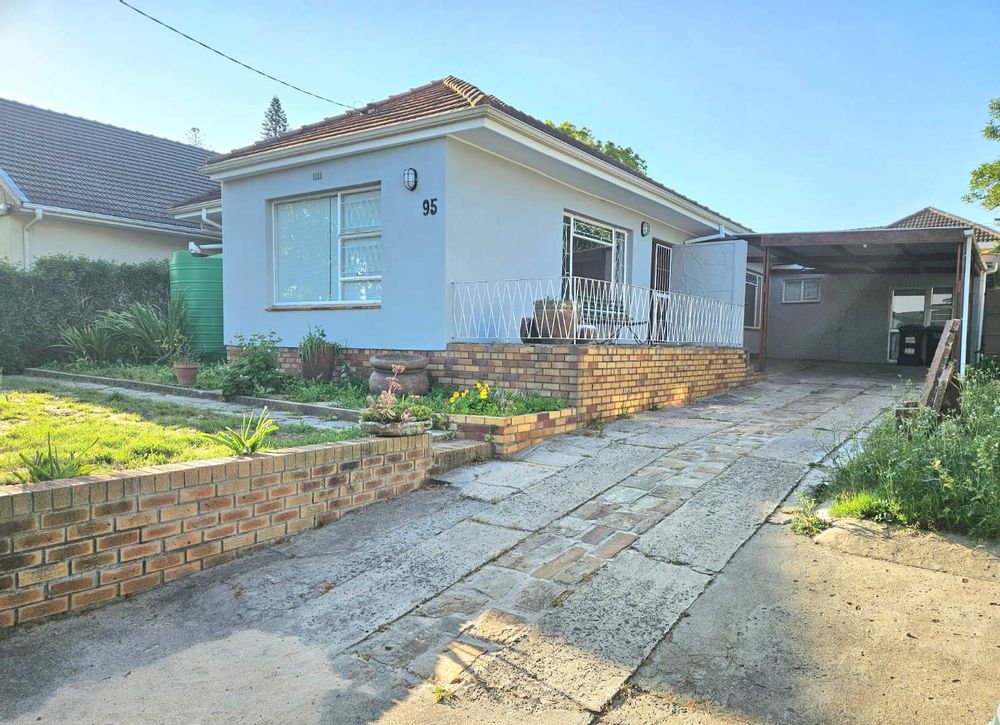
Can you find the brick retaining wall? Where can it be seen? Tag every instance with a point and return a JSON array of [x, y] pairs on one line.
[[72, 544]]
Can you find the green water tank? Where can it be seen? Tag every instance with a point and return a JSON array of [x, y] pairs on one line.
[[199, 281]]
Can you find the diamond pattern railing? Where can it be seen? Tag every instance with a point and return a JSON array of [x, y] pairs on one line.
[[579, 309]]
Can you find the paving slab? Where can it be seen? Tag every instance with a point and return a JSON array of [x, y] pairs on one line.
[[714, 523], [563, 491]]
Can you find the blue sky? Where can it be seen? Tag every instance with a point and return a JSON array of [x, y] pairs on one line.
[[782, 115]]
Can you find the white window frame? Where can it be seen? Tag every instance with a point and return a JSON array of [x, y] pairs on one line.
[[928, 301], [758, 298], [337, 237], [800, 281], [571, 218]]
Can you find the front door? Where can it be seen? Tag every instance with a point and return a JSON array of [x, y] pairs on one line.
[[659, 282]]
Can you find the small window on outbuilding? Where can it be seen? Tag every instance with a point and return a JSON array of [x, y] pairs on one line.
[[800, 290]]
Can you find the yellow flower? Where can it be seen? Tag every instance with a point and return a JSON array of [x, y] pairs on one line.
[[465, 393], [483, 393], [478, 386]]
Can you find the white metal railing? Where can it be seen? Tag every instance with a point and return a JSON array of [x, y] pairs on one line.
[[582, 310]]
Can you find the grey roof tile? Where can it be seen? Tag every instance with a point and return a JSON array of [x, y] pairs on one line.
[[74, 163]]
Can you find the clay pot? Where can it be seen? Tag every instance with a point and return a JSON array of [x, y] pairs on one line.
[[556, 319], [413, 380], [395, 430], [186, 373], [319, 366]]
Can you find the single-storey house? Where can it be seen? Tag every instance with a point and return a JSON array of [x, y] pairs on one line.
[[845, 295], [444, 215], [73, 186]]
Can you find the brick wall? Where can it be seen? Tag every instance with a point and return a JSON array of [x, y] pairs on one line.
[[514, 433], [72, 544]]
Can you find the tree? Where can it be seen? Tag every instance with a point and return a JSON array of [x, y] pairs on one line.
[[275, 121], [194, 137], [984, 185], [624, 154]]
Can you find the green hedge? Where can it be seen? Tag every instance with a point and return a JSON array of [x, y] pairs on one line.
[[60, 291]]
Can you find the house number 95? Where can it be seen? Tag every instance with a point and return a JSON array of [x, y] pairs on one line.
[[430, 206]]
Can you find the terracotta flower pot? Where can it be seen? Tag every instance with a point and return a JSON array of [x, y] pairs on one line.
[[186, 373], [409, 428], [320, 364]]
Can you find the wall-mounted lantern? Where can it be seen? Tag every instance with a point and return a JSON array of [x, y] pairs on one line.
[[644, 229], [410, 179]]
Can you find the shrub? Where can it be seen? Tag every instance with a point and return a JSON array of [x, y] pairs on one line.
[[138, 333], [934, 474], [484, 399], [314, 342], [255, 371], [68, 291]]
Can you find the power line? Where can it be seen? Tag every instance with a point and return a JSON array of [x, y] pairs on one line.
[[234, 60]]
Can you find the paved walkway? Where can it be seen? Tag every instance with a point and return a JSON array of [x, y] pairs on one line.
[[530, 590]]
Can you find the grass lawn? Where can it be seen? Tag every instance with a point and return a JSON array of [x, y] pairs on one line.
[[129, 432], [942, 475], [209, 376]]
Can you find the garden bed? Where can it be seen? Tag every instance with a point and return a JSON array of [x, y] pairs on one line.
[[936, 474], [116, 431]]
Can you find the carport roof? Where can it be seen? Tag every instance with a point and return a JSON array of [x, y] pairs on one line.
[[868, 251]]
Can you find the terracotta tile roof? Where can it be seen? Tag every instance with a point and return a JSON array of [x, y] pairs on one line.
[[929, 217], [69, 162], [433, 99]]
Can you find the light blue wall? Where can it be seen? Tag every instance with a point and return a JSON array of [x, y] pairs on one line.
[[505, 221], [412, 314]]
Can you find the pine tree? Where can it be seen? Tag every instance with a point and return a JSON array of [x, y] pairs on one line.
[[275, 121], [194, 137]]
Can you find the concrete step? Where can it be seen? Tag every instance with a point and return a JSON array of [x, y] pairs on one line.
[[450, 454]]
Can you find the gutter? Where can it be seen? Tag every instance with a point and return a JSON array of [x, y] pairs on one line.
[[115, 221], [721, 234], [966, 289], [205, 221]]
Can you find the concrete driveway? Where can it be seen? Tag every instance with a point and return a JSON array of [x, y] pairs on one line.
[[579, 583]]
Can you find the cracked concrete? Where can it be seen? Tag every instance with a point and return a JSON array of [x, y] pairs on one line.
[[595, 578]]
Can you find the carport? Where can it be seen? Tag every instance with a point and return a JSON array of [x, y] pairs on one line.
[[944, 264]]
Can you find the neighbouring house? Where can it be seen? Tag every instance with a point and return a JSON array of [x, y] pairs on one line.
[[73, 186], [872, 295], [442, 215]]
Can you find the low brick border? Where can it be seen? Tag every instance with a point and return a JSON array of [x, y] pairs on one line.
[[514, 433], [73, 544], [287, 406]]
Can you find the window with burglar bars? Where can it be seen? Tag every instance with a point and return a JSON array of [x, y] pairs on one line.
[[752, 300], [593, 250], [328, 248]]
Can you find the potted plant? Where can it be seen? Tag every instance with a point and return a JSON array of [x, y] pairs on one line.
[[556, 318], [185, 366], [318, 355], [390, 415]]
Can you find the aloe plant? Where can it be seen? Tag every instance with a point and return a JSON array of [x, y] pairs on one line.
[[251, 436], [49, 465]]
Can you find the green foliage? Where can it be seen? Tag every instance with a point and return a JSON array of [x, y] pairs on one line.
[[275, 121], [933, 474], [805, 521], [343, 395], [867, 505], [209, 376], [64, 292], [129, 432], [623, 154], [387, 408], [485, 399], [92, 342], [984, 184], [314, 342], [250, 437], [137, 333], [255, 372], [48, 465]]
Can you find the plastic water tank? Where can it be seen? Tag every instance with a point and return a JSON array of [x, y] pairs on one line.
[[199, 281]]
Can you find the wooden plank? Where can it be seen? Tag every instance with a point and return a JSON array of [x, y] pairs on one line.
[[942, 367]]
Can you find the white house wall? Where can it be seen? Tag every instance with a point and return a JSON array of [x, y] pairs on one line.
[[412, 313], [97, 241], [505, 220]]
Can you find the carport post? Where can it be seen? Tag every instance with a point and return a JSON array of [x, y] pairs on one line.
[[966, 294], [764, 295]]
